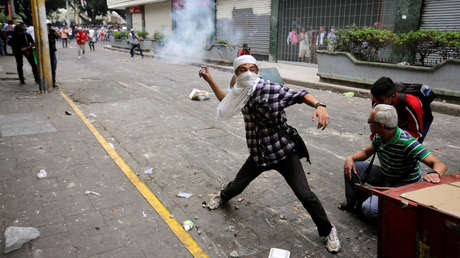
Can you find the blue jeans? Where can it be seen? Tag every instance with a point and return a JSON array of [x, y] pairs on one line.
[[368, 204], [426, 128]]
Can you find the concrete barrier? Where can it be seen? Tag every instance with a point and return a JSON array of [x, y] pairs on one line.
[[443, 78]]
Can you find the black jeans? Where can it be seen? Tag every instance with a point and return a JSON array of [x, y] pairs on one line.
[[53, 60], [134, 46], [292, 171], [91, 45], [19, 64]]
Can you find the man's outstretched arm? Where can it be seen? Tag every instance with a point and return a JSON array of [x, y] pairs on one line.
[[320, 112], [206, 75]]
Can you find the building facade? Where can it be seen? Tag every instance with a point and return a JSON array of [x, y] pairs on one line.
[[146, 15], [266, 25]]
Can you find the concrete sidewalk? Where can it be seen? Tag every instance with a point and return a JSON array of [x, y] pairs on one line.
[[112, 220]]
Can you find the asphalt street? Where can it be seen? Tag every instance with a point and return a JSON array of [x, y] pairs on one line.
[[141, 107]]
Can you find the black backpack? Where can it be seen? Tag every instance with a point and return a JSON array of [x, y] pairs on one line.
[[422, 91]]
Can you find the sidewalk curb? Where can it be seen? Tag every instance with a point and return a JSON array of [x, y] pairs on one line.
[[436, 106]]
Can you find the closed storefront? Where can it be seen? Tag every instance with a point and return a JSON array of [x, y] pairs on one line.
[[441, 15], [158, 18], [242, 21], [296, 16]]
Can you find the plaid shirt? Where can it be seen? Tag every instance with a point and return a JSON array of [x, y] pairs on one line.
[[266, 124]]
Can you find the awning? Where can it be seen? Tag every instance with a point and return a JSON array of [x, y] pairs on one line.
[[121, 4]]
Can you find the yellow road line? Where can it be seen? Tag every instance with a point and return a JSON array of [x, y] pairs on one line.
[[173, 224]]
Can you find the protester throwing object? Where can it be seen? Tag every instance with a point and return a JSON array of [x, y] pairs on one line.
[[272, 143]]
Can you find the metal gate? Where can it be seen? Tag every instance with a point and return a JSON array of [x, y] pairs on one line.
[[240, 21], [311, 14], [441, 15]]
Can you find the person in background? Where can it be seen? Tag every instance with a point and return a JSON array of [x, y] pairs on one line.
[[331, 40], [30, 30], [23, 44], [81, 41], [245, 50], [64, 36], [134, 42], [92, 39], [52, 36], [293, 37], [321, 41], [304, 46], [410, 117]]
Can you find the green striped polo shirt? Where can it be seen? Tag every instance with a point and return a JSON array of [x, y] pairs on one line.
[[400, 157]]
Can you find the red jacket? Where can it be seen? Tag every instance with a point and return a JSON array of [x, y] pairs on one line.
[[81, 38], [411, 120]]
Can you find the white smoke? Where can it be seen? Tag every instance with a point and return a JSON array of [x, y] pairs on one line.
[[193, 31]]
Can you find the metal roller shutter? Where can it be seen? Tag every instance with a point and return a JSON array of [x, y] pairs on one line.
[[242, 21], [441, 14]]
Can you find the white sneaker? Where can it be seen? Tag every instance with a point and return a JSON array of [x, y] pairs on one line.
[[215, 202], [332, 241]]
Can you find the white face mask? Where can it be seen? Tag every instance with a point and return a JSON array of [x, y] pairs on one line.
[[238, 96], [246, 79]]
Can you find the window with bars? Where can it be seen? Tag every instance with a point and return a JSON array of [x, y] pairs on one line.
[[311, 14]]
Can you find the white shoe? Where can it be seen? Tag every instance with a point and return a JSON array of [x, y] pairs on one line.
[[215, 202], [79, 57], [332, 241]]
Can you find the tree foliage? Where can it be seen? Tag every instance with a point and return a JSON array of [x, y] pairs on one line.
[[23, 8], [91, 8]]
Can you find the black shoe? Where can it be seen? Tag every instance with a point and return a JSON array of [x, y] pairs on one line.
[[345, 206], [22, 82], [55, 86]]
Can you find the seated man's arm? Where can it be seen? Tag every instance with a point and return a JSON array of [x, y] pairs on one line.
[[361, 155], [439, 167]]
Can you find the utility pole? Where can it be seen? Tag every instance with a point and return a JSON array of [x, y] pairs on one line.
[[67, 19], [42, 46]]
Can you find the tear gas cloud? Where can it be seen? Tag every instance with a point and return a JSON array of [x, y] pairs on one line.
[[193, 31]]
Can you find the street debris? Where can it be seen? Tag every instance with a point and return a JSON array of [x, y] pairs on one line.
[[171, 216], [403, 63], [436, 148], [92, 115], [184, 195], [71, 185], [187, 224], [144, 214], [111, 145], [15, 237], [282, 217], [148, 171], [279, 253], [68, 113], [240, 199], [349, 94], [234, 254], [42, 174], [87, 192], [199, 95]]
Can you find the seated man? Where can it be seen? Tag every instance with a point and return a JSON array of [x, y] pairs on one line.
[[409, 108], [399, 154]]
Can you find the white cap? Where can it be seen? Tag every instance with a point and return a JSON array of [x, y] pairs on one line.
[[244, 59]]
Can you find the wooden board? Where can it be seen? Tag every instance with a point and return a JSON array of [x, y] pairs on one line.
[[445, 197]]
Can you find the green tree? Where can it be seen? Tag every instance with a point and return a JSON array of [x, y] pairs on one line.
[[23, 8], [91, 8]]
